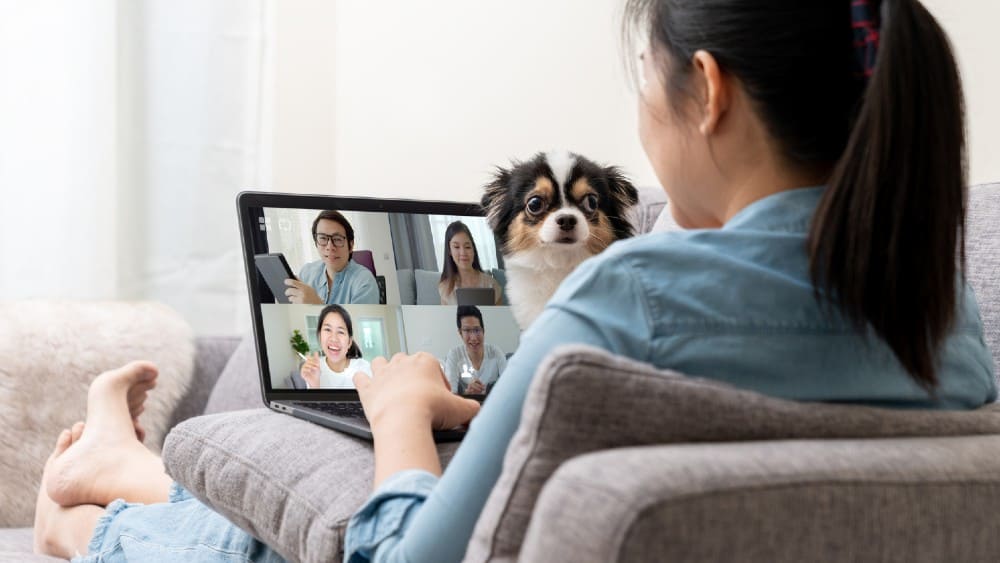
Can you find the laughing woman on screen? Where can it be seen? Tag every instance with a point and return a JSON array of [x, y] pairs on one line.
[[342, 355]]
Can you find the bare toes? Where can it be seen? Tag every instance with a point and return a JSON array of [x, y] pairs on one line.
[[62, 442], [76, 431]]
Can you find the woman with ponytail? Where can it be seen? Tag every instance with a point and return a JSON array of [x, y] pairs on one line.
[[815, 154]]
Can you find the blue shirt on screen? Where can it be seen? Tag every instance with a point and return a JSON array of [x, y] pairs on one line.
[[353, 284], [734, 304]]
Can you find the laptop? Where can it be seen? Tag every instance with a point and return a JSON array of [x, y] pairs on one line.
[[406, 241], [475, 296]]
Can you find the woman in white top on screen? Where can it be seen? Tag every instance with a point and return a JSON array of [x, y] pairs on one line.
[[461, 266], [473, 366], [343, 357]]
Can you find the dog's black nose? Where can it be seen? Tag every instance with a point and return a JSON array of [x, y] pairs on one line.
[[566, 222]]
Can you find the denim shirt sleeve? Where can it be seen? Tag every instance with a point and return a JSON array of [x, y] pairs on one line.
[[601, 304], [379, 524]]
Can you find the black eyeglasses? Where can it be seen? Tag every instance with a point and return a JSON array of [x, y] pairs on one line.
[[324, 239]]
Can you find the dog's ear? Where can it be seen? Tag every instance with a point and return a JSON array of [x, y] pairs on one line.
[[495, 198], [621, 188]]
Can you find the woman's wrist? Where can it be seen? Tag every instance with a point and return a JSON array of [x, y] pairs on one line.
[[404, 441]]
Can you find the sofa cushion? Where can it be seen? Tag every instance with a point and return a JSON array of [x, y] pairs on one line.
[[16, 545], [427, 287], [292, 484], [407, 287], [238, 386], [644, 214], [571, 409], [50, 351]]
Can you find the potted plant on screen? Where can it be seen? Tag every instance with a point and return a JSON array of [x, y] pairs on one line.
[[299, 344]]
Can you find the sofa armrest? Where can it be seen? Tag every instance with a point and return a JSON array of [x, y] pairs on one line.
[[907, 499], [572, 409]]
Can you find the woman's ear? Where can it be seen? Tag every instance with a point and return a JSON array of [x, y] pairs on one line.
[[713, 88]]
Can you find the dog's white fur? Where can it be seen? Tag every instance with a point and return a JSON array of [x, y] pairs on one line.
[[50, 351], [534, 275]]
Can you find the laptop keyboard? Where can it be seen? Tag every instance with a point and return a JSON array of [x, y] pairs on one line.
[[336, 408]]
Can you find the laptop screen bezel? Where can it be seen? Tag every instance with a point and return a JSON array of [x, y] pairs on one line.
[[248, 199]]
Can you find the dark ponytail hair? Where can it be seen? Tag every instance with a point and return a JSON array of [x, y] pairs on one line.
[[887, 229], [886, 245], [352, 352]]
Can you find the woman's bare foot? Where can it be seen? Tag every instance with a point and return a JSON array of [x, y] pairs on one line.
[[63, 532], [45, 506], [108, 461]]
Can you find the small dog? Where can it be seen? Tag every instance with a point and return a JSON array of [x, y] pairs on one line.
[[550, 213]]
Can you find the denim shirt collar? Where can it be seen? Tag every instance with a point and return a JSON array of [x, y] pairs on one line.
[[786, 211]]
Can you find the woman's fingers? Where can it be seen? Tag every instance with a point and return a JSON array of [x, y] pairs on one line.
[[361, 382]]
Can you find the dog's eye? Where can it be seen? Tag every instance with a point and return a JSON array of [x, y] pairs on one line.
[[535, 205], [590, 203]]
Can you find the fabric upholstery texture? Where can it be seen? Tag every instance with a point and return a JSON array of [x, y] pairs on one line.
[[427, 287], [571, 410], [50, 352], [292, 484], [16, 546], [774, 501], [407, 286], [238, 386], [211, 357]]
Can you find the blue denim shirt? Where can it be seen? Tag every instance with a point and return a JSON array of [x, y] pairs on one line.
[[734, 304], [353, 284]]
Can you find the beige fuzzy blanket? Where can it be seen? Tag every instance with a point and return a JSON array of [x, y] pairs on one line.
[[50, 351]]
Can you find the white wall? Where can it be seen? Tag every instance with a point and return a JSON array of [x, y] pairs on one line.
[[971, 25], [409, 99], [428, 96]]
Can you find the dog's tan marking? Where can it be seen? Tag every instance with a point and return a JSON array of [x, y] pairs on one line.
[[581, 187], [544, 189], [522, 236], [601, 234]]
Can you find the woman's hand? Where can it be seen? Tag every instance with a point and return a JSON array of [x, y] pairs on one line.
[[310, 370], [301, 293], [412, 390]]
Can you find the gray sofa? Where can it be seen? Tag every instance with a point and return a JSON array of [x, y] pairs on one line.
[[689, 470]]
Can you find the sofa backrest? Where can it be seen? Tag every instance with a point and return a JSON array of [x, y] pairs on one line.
[[566, 414]]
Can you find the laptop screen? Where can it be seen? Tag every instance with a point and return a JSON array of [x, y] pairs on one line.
[[336, 282]]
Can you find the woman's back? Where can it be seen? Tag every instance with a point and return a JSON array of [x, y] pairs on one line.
[[737, 304]]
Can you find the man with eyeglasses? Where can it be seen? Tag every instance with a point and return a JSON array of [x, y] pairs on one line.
[[473, 367], [334, 278]]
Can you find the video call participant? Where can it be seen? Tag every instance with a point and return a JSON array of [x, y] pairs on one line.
[[343, 357], [335, 278], [473, 358], [461, 265]]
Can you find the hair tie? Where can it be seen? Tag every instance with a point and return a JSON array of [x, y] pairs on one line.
[[865, 22]]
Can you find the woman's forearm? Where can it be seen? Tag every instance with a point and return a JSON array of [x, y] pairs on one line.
[[404, 442]]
